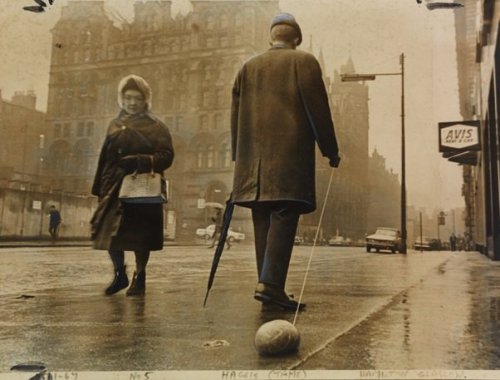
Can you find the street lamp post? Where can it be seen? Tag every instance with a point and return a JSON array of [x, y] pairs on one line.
[[365, 77]]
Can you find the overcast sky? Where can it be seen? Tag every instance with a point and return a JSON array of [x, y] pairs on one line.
[[372, 32]]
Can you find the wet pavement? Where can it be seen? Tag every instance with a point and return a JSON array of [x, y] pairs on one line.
[[431, 310]]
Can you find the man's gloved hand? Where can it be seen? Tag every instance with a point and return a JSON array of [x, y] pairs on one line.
[[335, 161], [129, 163]]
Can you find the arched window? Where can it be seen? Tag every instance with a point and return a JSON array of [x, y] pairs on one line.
[[200, 156], [225, 155], [82, 154], [210, 156], [59, 156]]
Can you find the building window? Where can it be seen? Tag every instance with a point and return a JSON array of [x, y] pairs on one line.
[[111, 52], [67, 130], [225, 156], [224, 21], [210, 22], [179, 123], [237, 38], [238, 20], [169, 121], [200, 156], [221, 98], [183, 102], [210, 156], [148, 47], [210, 42], [206, 101], [169, 101], [80, 129], [203, 123], [57, 130], [218, 121], [89, 130], [207, 75]]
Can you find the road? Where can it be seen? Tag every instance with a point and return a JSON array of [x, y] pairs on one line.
[[432, 310]]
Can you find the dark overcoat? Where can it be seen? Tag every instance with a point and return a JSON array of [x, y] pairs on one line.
[[279, 110], [134, 227]]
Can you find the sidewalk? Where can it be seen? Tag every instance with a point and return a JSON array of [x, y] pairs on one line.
[[431, 310], [66, 243]]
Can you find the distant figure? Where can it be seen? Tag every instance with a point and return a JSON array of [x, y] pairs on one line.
[[54, 222], [217, 219], [453, 242]]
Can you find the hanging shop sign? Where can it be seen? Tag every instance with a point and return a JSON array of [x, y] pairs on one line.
[[459, 136]]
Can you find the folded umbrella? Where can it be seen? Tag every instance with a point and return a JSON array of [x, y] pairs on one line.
[[226, 220]]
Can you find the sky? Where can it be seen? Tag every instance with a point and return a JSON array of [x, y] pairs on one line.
[[372, 32]]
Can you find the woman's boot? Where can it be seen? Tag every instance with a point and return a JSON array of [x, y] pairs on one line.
[[119, 282], [138, 286]]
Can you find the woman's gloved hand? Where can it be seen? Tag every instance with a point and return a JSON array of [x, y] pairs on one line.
[[129, 163]]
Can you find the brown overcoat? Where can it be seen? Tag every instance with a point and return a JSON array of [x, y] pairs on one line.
[[120, 226], [279, 110]]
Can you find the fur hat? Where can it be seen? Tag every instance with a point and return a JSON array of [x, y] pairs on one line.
[[135, 82], [287, 19]]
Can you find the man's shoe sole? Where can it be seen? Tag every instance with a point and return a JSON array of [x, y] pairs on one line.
[[286, 305]]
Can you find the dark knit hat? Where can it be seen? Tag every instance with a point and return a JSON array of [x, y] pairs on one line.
[[287, 19]]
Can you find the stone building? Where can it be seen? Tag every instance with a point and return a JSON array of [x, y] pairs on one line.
[[22, 139], [384, 205], [478, 56], [190, 62], [345, 212]]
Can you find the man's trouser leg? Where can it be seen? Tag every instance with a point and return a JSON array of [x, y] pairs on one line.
[[275, 225]]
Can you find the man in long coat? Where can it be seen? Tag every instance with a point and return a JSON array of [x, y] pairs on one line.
[[279, 111]]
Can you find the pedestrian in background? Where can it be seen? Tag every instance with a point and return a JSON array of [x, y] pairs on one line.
[[279, 111], [136, 141], [217, 219], [54, 222], [453, 242]]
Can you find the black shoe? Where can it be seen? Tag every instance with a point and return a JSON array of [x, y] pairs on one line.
[[138, 286], [119, 282], [272, 295]]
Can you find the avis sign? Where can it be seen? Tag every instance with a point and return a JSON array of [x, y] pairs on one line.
[[459, 136]]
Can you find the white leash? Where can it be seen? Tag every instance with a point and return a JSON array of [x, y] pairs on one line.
[[314, 245]]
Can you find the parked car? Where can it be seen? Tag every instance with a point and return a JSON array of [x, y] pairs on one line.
[[427, 244], [339, 241], [208, 233], [384, 238]]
